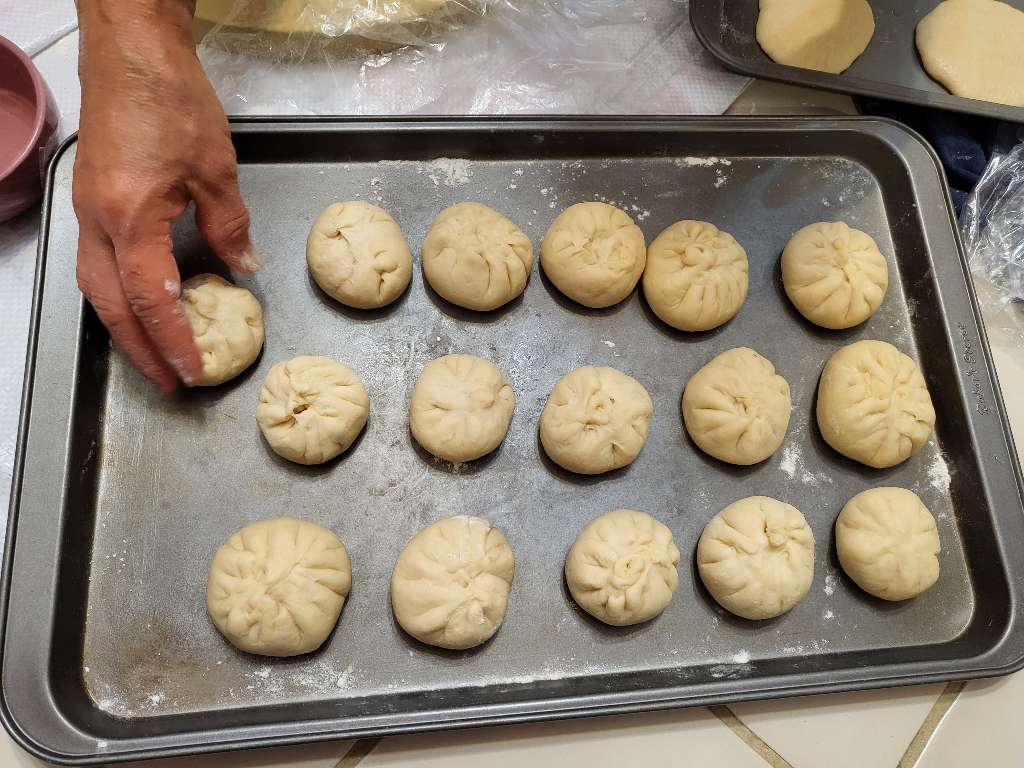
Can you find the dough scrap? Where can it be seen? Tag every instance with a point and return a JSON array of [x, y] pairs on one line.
[[975, 48], [756, 557], [696, 276], [461, 407], [451, 583], [873, 404], [595, 420], [594, 254], [824, 35], [312, 409], [227, 323], [358, 255], [277, 586], [476, 258], [835, 275], [888, 543], [736, 408], [622, 568]]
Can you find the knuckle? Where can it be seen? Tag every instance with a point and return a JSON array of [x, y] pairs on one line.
[[234, 225]]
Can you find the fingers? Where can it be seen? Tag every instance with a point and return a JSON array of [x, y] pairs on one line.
[[224, 221]]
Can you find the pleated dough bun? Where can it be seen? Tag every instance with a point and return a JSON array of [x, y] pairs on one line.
[[227, 323]]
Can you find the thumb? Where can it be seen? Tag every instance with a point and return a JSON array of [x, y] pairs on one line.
[[224, 221]]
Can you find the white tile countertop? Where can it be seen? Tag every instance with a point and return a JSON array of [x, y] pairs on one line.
[[933, 726]]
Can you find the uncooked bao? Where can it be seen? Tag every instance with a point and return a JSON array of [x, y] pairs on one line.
[[227, 323]]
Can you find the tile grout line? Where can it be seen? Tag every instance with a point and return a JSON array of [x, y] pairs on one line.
[[748, 737], [358, 752], [930, 725]]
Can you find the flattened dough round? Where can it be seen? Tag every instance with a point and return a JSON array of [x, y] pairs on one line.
[[736, 408], [835, 275], [825, 35], [873, 404], [450, 585], [358, 255], [696, 276], [277, 586], [622, 568], [461, 407], [888, 543], [476, 258], [595, 420], [312, 409], [227, 323], [975, 48], [756, 557], [594, 254]]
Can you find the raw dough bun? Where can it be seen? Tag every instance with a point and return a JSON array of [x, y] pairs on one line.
[[461, 407], [622, 568], [594, 254], [873, 405], [595, 420], [975, 48], [476, 258], [835, 275], [312, 409], [357, 253], [696, 276], [826, 35], [888, 544], [451, 582], [227, 322], [756, 557], [277, 586], [736, 408]]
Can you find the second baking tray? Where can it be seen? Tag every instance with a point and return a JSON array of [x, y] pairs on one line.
[[122, 496], [890, 68]]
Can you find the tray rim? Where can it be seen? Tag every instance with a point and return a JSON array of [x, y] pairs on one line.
[[523, 711]]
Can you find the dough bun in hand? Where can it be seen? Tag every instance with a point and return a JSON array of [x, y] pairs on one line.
[[311, 409], [696, 276], [358, 255], [227, 323], [756, 557], [461, 407], [595, 420], [873, 404], [824, 35], [736, 408], [450, 585], [888, 543], [594, 254], [476, 258], [277, 586], [622, 568], [835, 275]]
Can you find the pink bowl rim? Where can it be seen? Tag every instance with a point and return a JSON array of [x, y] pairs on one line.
[[41, 105]]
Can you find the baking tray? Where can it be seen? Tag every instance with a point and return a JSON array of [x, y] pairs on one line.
[[890, 68], [122, 496]]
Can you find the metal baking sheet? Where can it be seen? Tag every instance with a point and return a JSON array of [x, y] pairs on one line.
[[890, 68], [122, 496]]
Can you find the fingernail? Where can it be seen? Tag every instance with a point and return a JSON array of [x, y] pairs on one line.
[[251, 260], [183, 374], [173, 287]]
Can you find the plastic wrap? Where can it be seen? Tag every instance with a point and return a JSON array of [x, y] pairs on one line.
[[390, 57]]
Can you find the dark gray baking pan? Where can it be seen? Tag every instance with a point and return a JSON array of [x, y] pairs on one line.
[[890, 68], [122, 496]]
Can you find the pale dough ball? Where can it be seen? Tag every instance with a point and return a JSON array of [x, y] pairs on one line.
[[461, 407], [594, 254], [888, 544], [756, 557], [696, 276], [358, 255], [975, 48], [312, 409], [622, 568], [227, 323], [873, 404], [835, 275], [450, 585], [736, 408], [826, 35], [277, 586], [595, 420], [476, 258]]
